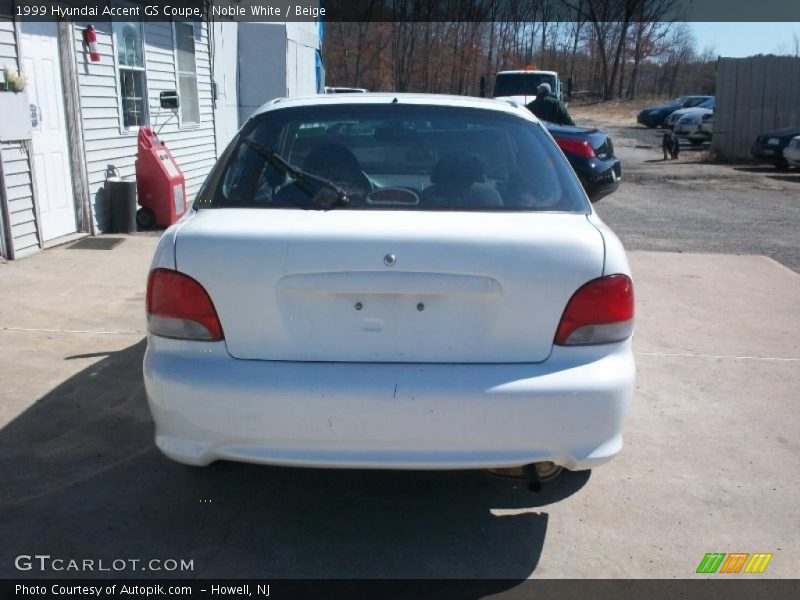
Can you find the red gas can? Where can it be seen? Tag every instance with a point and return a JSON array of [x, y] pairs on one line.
[[159, 183]]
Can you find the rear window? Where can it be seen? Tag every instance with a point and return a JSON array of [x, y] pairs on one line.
[[395, 157], [692, 102], [522, 84]]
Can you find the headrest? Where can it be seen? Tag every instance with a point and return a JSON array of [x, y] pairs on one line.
[[458, 168], [328, 159]]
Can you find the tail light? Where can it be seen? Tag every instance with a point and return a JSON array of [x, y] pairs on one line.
[[581, 148], [600, 312], [179, 307]]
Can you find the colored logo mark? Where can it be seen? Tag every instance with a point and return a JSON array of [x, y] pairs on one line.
[[735, 562]]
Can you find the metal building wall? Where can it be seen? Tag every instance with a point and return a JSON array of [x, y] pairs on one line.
[[754, 95]]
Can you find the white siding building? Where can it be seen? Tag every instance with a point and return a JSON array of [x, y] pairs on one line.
[[18, 218], [85, 115], [121, 92]]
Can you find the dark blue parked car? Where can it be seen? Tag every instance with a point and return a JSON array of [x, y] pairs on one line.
[[591, 154], [654, 116]]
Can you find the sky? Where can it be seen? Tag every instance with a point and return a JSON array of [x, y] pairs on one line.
[[737, 39]]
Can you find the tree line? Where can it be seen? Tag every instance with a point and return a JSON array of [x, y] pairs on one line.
[[612, 48]]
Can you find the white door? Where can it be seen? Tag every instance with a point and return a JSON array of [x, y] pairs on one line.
[[50, 149], [226, 75]]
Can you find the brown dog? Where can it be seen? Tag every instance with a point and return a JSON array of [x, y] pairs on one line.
[[670, 145]]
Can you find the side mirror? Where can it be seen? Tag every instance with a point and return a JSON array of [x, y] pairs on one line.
[[169, 100]]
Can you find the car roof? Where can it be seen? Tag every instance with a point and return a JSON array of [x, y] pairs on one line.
[[783, 132], [523, 71], [348, 89], [689, 109], [694, 110], [380, 99]]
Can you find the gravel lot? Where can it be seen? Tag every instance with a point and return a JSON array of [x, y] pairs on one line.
[[690, 206], [711, 459]]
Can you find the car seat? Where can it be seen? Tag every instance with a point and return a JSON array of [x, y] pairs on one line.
[[458, 181], [330, 161]]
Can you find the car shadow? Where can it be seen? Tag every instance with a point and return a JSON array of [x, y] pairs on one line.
[[787, 178], [670, 161], [83, 479], [762, 169]]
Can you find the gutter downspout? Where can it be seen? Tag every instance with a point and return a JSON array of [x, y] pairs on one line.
[[74, 118]]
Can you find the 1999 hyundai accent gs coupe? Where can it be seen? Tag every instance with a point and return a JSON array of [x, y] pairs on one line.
[[394, 282]]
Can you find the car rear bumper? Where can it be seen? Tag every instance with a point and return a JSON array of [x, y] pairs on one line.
[[208, 406], [650, 121], [601, 178], [768, 154], [792, 156], [692, 132]]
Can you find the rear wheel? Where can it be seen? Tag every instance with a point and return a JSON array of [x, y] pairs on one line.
[[145, 218]]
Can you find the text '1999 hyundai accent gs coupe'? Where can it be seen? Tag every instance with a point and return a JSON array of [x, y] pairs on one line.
[[392, 282]]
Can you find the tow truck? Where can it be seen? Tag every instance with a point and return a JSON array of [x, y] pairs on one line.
[[522, 85]]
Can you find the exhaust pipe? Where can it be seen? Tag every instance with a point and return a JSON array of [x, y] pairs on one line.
[[532, 477], [535, 474]]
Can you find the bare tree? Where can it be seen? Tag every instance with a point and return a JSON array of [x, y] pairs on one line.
[[649, 29], [612, 47], [681, 45]]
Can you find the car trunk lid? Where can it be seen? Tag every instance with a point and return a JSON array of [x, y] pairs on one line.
[[389, 286], [599, 141]]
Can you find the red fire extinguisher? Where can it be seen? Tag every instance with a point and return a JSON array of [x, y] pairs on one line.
[[90, 37]]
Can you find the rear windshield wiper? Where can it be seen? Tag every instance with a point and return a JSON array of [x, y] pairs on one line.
[[330, 196]]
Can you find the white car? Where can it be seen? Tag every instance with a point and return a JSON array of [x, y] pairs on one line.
[[696, 126], [792, 152], [522, 86], [428, 290], [345, 90], [673, 118]]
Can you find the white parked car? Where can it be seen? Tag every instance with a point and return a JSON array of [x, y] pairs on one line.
[[673, 118], [426, 287], [792, 152], [697, 126], [345, 90]]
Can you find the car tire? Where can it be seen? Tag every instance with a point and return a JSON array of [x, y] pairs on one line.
[[784, 166], [697, 142], [145, 218]]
